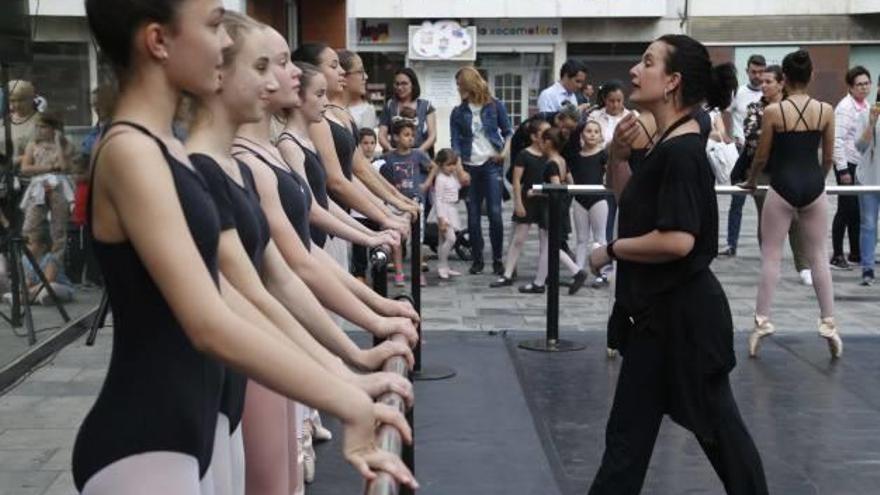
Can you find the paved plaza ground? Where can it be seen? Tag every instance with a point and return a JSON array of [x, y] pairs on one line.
[[517, 422]]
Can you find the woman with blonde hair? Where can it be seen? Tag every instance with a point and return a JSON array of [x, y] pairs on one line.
[[480, 130]]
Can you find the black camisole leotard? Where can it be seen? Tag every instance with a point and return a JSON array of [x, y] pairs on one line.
[[317, 177], [239, 208], [160, 393], [589, 170], [345, 144], [795, 173], [293, 192]]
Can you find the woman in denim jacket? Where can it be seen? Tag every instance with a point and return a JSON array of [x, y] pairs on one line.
[[480, 133]]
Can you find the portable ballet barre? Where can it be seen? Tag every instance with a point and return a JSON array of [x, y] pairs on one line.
[[554, 194], [388, 438]]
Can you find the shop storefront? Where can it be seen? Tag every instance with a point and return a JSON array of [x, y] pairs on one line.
[[516, 57]]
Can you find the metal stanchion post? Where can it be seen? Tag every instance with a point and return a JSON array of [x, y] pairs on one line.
[[379, 257], [552, 342], [420, 372]]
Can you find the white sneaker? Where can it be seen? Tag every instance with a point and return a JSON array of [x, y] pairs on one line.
[[806, 277]]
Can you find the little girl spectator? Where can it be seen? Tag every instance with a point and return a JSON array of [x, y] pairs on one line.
[[46, 160], [528, 169], [555, 168], [590, 212], [448, 177], [406, 169]]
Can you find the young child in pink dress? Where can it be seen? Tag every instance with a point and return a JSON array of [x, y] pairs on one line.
[[447, 178]]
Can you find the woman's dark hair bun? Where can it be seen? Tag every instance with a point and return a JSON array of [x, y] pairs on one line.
[[724, 84], [797, 67]]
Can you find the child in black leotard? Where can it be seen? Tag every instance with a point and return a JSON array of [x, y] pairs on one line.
[[555, 169], [788, 147], [528, 170], [590, 212]]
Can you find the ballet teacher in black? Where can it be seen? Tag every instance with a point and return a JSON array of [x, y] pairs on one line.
[[672, 316]]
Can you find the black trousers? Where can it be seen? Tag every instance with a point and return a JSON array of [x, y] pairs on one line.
[[640, 402], [846, 220]]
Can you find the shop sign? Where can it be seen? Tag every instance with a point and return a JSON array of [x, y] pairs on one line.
[[442, 40], [381, 32], [513, 31]]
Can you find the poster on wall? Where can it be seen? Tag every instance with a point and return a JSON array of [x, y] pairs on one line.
[[438, 84], [442, 40]]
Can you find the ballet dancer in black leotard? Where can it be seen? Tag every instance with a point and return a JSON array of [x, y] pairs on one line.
[[156, 234], [676, 324], [247, 81], [335, 140], [300, 153], [340, 293], [528, 165], [590, 212], [788, 149]]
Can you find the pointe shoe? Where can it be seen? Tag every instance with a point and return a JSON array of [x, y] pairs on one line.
[[308, 455], [828, 330], [443, 273], [319, 433], [763, 328]]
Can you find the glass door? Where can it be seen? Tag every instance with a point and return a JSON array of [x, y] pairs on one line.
[[507, 86]]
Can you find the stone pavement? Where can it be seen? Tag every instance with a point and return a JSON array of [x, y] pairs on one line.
[[39, 417]]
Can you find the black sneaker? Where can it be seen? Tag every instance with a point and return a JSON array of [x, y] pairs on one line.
[[531, 289], [867, 278], [838, 262], [577, 282], [730, 251], [476, 267], [498, 267], [502, 282], [854, 258]]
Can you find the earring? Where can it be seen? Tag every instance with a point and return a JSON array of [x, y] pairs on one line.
[[665, 95]]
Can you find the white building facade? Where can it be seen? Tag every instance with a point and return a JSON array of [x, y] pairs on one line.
[[521, 44]]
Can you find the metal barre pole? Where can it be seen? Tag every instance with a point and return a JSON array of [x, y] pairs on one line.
[[597, 190], [387, 436], [551, 341], [421, 372]]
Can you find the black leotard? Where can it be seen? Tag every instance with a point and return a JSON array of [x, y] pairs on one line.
[[533, 173], [239, 209], [317, 177], [345, 144], [795, 173], [160, 393], [238, 205], [589, 170], [293, 191]]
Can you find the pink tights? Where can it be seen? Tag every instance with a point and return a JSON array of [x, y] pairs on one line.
[[776, 218]]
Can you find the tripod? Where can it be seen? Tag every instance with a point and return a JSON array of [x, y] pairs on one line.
[[15, 243]]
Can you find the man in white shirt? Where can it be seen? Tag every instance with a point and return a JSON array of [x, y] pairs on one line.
[[747, 94], [572, 78]]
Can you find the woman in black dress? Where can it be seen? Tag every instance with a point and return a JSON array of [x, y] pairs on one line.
[[672, 314]]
